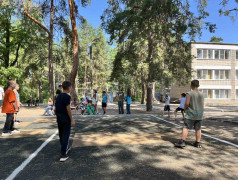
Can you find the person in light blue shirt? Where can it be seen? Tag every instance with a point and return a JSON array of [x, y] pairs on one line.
[[104, 102], [128, 101]]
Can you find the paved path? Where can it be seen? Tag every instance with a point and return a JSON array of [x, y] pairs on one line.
[[120, 147]]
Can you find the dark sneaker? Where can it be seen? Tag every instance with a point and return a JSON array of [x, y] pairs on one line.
[[180, 144], [6, 134], [68, 150], [15, 131], [197, 145], [63, 158]]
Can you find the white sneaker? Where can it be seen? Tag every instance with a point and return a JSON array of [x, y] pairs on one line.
[[15, 131], [7, 134], [64, 158], [17, 122]]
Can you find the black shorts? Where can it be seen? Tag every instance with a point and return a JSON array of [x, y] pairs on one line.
[[193, 124], [104, 105], [179, 109], [167, 108]]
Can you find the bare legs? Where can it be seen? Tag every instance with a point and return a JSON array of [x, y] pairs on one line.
[[175, 114], [168, 113], [104, 110], [198, 134]]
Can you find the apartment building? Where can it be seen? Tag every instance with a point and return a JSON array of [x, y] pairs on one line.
[[216, 67]]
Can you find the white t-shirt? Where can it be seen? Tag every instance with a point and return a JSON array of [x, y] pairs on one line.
[[1, 93], [167, 101], [182, 102]]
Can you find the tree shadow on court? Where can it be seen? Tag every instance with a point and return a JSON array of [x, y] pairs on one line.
[[132, 160]]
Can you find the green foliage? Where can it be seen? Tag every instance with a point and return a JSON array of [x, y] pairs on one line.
[[216, 39], [10, 73], [231, 11], [151, 37]]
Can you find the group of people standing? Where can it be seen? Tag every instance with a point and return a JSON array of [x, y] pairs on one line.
[[121, 98]]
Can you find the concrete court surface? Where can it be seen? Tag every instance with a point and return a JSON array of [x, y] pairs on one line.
[[119, 147]]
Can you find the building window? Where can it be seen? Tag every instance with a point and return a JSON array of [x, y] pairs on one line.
[[237, 74], [237, 54], [217, 93], [210, 54], [227, 54], [217, 74], [217, 54], [199, 53], [199, 74], [222, 54], [222, 74], [237, 94], [222, 94], [204, 53], [214, 74], [214, 54], [207, 93], [204, 74]]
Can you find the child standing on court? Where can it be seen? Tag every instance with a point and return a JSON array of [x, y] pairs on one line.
[[167, 104], [104, 102], [9, 107], [128, 101], [64, 119], [194, 109], [182, 100], [18, 103]]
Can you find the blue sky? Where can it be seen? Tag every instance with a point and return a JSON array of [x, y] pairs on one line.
[[226, 28]]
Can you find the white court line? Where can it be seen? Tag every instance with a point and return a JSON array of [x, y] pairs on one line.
[[32, 156], [211, 137]]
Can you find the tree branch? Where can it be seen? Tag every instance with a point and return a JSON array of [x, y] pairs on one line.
[[17, 55], [235, 9], [35, 21]]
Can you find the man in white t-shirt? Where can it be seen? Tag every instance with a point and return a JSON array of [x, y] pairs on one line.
[[1, 96], [167, 104], [182, 101]]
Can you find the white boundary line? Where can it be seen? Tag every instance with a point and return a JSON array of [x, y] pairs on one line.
[[206, 135], [32, 156]]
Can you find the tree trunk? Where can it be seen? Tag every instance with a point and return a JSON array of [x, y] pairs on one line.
[[17, 55], [51, 72], [85, 73], [40, 92], [153, 92], [143, 93], [74, 71], [50, 33], [149, 102], [7, 53]]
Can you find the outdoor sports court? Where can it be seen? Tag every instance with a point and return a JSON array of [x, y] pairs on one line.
[[117, 147]]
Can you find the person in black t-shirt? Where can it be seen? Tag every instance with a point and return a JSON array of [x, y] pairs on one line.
[[59, 90], [64, 119]]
